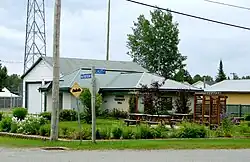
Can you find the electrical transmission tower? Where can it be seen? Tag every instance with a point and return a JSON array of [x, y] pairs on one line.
[[35, 40]]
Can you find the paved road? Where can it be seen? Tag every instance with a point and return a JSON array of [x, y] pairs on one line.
[[36, 155]]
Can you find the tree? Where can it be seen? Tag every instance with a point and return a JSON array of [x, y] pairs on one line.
[[235, 76], [3, 76], [246, 77], [183, 76], [198, 77], [221, 75], [154, 102], [207, 78], [13, 83], [154, 44], [85, 99]]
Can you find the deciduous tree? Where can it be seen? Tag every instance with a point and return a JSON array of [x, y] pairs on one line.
[[154, 44], [3, 76]]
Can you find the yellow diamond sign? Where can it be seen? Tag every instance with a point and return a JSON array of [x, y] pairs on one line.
[[76, 90]]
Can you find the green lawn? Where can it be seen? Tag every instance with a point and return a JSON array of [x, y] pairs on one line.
[[133, 144], [100, 123]]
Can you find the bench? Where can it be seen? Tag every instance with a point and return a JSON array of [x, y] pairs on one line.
[[152, 123], [132, 122]]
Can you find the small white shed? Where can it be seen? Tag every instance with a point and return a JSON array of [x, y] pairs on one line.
[[8, 99]]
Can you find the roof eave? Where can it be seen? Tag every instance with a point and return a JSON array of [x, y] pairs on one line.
[[27, 72]]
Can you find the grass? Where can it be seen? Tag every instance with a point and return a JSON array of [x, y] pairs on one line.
[[133, 144], [100, 123]]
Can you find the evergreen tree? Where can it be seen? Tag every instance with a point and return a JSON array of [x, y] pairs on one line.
[[221, 75]]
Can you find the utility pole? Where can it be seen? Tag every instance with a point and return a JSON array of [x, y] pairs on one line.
[[93, 104], [108, 31], [56, 73]]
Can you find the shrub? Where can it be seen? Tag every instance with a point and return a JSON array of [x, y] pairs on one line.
[[65, 132], [160, 132], [146, 132], [227, 126], [117, 132], [128, 133], [30, 125], [119, 114], [104, 133], [68, 115], [5, 124], [44, 130], [85, 99], [247, 118], [86, 134], [104, 113], [86, 117], [46, 115], [20, 113], [191, 130], [1, 115]]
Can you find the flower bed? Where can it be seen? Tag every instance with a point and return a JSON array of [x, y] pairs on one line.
[[39, 125]]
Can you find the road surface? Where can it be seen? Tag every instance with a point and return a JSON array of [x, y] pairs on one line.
[[37, 155]]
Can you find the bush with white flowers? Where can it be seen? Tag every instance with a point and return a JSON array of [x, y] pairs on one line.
[[30, 125]]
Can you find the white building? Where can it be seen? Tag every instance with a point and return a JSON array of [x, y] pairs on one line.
[[121, 79]]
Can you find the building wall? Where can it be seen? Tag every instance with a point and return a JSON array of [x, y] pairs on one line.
[[41, 73], [66, 103], [111, 101], [238, 98]]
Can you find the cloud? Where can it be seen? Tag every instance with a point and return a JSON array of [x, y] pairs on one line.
[[83, 32]]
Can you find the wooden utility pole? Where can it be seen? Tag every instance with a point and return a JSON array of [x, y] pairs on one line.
[[56, 73], [108, 31]]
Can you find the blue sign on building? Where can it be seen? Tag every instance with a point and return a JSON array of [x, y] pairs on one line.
[[100, 71], [85, 76]]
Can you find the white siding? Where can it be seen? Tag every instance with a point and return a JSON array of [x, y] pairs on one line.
[[67, 100], [110, 103], [66, 103], [49, 101], [41, 72]]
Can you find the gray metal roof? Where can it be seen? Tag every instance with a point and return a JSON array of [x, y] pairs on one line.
[[230, 86], [67, 65]]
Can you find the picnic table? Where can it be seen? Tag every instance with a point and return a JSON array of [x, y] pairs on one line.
[[137, 118], [180, 117]]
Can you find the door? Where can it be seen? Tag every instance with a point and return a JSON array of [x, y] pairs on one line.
[[34, 97]]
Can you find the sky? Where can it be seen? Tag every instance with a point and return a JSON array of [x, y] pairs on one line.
[[83, 32]]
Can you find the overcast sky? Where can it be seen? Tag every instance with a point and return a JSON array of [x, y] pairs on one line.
[[83, 32]]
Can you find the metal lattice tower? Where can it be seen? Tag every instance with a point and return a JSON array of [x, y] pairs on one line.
[[35, 40]]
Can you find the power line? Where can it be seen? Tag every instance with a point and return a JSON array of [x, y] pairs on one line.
[[11, 62], [193, 16], [230, 5]]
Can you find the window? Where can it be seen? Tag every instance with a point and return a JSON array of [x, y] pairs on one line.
[[119, 98]]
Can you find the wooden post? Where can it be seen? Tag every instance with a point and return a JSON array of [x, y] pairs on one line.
[[195, 106], [210, 109], [203, 108], [218, 110], [56, 72]]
